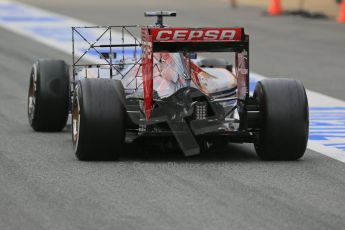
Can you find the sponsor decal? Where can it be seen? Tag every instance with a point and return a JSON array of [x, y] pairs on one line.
[[196, 35]]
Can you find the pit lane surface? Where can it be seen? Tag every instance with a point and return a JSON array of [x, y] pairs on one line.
[[44, 187]]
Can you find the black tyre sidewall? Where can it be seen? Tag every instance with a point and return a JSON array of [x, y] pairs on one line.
[[285, 119], [52, 95], [102, 119]]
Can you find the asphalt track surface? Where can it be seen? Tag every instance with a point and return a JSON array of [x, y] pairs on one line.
[[43, 186]]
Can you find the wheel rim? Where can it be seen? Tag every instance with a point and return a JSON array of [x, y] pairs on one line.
[[32, 96], [75, 121]]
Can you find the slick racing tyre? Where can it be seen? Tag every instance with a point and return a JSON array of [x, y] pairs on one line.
[[285, 119], [48, 97], [98, 119]]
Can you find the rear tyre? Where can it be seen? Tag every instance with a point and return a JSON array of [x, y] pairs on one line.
[[98, 119], [48, 97], [285, 119]]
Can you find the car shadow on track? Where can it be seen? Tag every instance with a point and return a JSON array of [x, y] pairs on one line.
[[226, 153], [139, 152]]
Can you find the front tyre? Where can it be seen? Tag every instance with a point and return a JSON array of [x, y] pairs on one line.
[[285, 119], [48, 97], [98, 119]]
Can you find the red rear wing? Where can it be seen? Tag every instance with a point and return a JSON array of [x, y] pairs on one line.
[[194, 40]]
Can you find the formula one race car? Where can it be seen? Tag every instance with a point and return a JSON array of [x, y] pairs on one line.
[[158, 88]]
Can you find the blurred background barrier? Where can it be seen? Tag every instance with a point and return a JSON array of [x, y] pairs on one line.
[[329, 8], [233, 3]]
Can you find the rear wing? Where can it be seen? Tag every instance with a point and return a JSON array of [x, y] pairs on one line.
[[196, 39], [163, 39]]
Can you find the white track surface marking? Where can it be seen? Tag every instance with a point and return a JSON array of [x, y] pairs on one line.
[[327, 114]]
